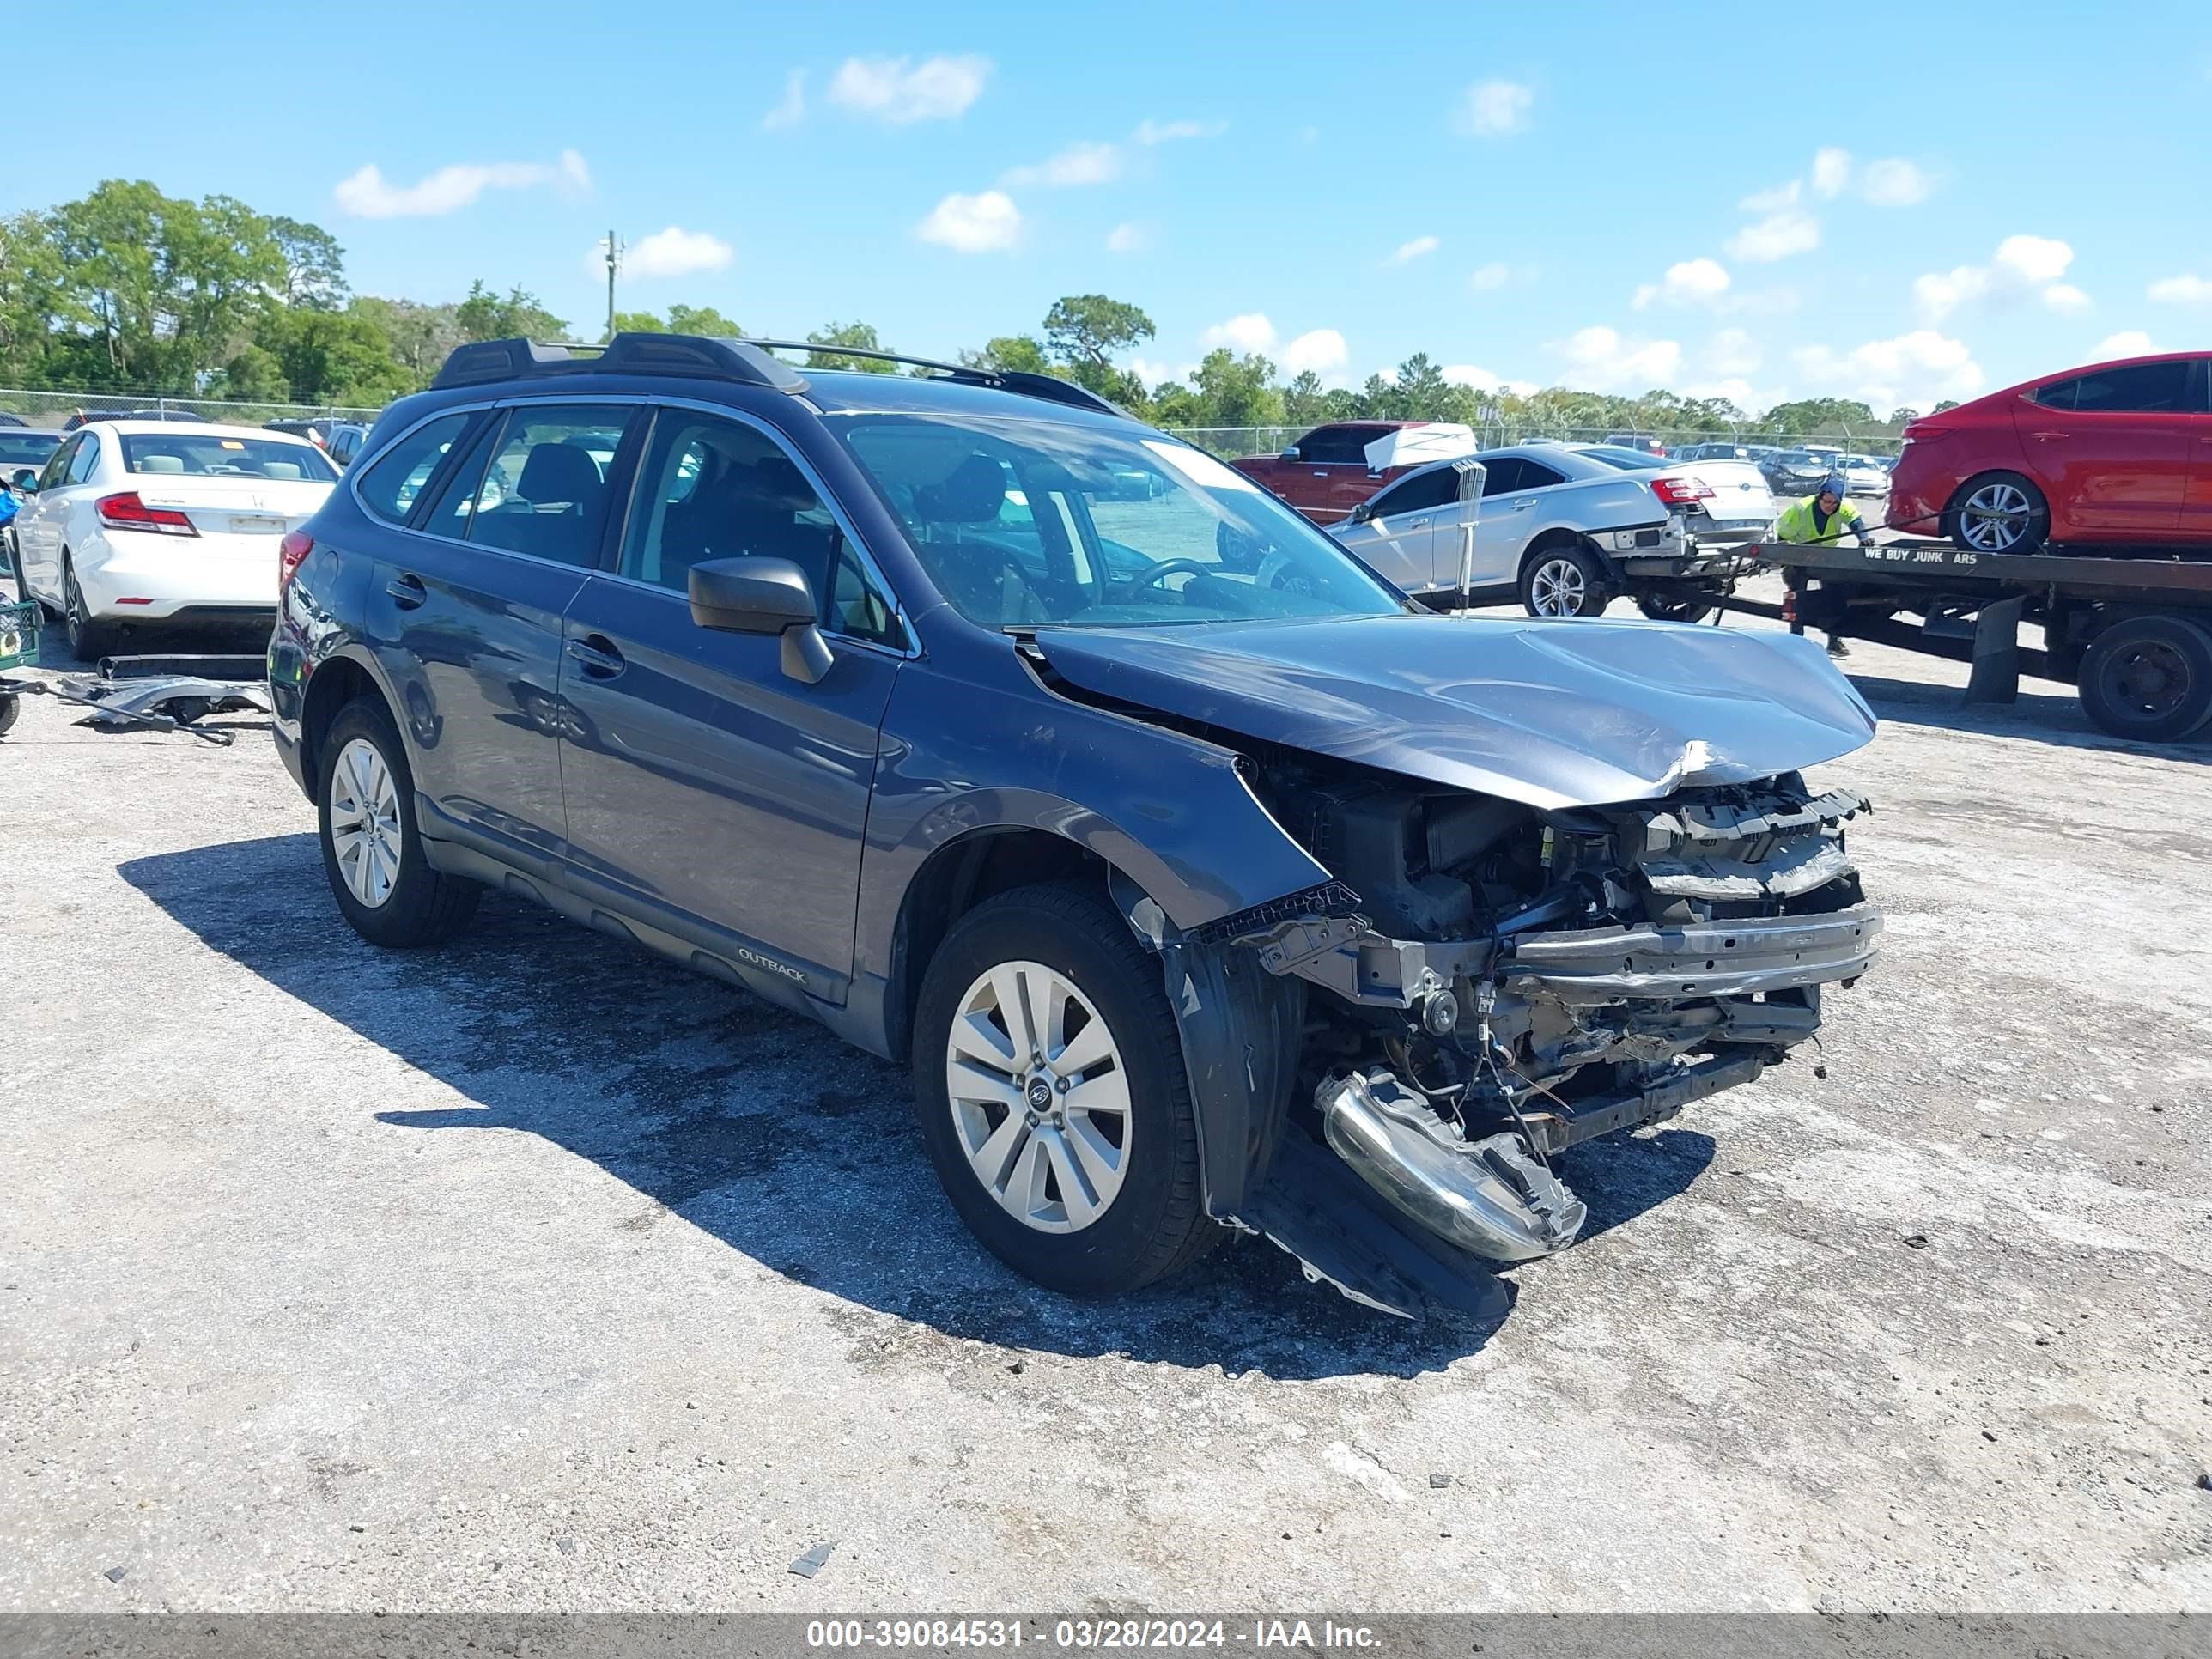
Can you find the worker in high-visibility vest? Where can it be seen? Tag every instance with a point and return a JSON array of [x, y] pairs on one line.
[[1826, 515]]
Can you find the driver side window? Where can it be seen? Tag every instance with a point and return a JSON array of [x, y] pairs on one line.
[[716, 488], [57, 464], [87, 458]]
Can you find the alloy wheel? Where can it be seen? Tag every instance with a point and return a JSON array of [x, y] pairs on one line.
[[1040, 1096], [1995, 518], [1557, 588], [365, 833]]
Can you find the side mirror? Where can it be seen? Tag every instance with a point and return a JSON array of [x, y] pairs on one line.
[[763, 596], [26, 479], [1289, 454], [1362, 512]]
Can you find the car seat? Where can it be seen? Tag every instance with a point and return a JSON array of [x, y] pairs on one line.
[[554, 512]]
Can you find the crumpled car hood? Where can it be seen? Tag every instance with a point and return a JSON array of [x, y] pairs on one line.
[[1549, 713]]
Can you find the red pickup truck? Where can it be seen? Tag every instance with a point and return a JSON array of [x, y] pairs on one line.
[[1325, 474]]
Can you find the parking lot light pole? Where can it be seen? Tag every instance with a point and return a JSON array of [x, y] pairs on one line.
[[613, 259], [1471, 472]]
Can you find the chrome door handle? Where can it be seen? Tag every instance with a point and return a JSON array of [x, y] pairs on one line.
[[1522, 507], [602, 663], [2051, 435], [1417, 523], [407, 592]]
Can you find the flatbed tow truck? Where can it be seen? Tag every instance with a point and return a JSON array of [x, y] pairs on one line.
[[2131, 628]]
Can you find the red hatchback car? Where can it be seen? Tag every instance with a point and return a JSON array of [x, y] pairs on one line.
[[2117, 452]]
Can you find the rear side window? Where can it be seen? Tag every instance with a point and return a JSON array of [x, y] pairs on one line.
[[545, 492], [1504, 475], [2146, 388], [389, 484], [86, 458]]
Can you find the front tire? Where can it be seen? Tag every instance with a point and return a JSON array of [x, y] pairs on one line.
[[1997, 513], [371, 846], [1049, 1082], [2148, 678], [1681, 611], [1565, 579]]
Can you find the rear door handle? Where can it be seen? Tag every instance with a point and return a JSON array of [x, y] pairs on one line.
[[2052, 434], [407, 592], [601, 660], [1523, 507]]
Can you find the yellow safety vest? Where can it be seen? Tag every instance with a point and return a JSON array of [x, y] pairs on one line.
[[1797, 524]]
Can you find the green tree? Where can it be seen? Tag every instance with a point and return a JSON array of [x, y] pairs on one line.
[[1234, 391], [1022, 354], [254, 375], [336, 357], [314, 265], [1809, 415], [701, 320], [860, 336], [485, 315], [421, 336], [639, 322], [1084, 331], [1946, 406]]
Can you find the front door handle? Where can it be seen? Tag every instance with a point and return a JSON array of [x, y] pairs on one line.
[[407, 592], [1523, 507], [2053, 434], [1417, 523], [598, 656]]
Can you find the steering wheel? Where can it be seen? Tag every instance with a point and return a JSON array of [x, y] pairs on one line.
[[1168, 567]]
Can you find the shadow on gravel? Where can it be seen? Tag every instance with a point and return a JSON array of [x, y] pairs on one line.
[[757, 1127], [2042, 716]]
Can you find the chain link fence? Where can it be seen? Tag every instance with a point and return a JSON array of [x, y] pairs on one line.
[[1234, 441], [53, 409]]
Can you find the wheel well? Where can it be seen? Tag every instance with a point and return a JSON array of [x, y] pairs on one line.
[[2042, 502], [956, 878], [1552, 540], [330, 689]]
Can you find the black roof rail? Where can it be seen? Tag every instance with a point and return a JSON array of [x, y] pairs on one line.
[[744, 360], [1049, 386], [690, 355]]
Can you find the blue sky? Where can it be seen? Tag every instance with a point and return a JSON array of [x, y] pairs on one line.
[[1902, 203]]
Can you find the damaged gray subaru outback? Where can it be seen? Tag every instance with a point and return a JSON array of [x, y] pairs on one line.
[[1206, 883]]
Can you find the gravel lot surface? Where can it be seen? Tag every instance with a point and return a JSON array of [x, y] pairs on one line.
[[530, 1274]]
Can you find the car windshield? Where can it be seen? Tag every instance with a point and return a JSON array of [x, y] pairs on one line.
[[1027, 523], [1626, 459], [211, 455], [27, 448]]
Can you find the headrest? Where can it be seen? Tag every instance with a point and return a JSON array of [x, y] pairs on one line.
[[159, 463], [558, 473], [973, 493], [281, 469], [779, 479]]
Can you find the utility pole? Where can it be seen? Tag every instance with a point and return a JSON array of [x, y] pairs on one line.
[[614, 258]]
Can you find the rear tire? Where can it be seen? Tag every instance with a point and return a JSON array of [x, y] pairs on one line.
[[1681, 611], [1139, 1214], [89, 641], [1997, 513], [1565, 579], [2148, 678], [371, 846]]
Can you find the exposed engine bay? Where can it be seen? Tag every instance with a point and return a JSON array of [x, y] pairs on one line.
[[1498, 982]]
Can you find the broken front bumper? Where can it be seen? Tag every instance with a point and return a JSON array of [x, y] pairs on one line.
[[1697, 959]]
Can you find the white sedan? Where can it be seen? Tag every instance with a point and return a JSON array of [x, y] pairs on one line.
[[160, 522]]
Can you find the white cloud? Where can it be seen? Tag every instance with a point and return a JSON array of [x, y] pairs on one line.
[[1415, 249], [1320, 350], [1128, 237], [1915, 369], [984, 223], [1251, 331], [1153, 374], [1831, 170], [792, 110], [1894, 182], [368, 195], [1149, 133], [1778, 235], [2034, 260], [1493, 107], [671, 253], [1599, 359], [1467, 375], [2021, 265], [1732, 351], [898, 91], [1773, 201], [1494, 274], [2182, 291], [1088, 163], [1691, 282], [2127, 342]]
